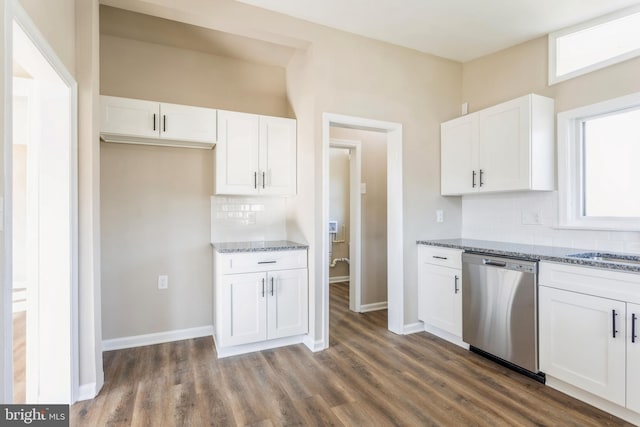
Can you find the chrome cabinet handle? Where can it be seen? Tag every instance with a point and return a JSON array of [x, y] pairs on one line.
[[481, 183], [633, 327], [455, 284], [613, 318], [473, 179], [263, 288], [271, 285]]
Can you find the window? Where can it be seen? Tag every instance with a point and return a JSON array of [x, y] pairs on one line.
[[599, 165], [593, 45]]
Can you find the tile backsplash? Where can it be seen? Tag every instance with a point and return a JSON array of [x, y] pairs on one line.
[[239, 219], [508, 217]]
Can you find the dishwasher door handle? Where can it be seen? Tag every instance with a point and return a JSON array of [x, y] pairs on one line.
[[494, 263]]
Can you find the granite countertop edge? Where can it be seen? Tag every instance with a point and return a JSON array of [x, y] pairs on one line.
[[258, 246], [534, 252]]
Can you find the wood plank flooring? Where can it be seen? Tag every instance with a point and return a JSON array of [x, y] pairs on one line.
[[19, 356], [368, 377]]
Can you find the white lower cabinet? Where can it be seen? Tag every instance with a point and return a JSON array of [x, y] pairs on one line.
[[439, 290], [589, 335], [577, 341], [633, 357], [257, 306]]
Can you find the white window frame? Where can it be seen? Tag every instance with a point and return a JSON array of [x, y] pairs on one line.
[[570, 191], [554, 78]]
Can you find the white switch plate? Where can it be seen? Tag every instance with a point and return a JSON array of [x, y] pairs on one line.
[[163, 281], [439, 216], [531, 218], [363, 188], [465, 108]]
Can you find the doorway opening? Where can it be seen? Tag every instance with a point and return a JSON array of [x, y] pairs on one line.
[[40, 337], [345, 223], [392, 134]]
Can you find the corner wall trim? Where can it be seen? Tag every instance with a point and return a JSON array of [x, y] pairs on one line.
[[157, 338], [412, 328], [373, 307], [87, 391]]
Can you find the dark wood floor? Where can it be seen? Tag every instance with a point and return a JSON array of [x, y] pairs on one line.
[[368, 377]]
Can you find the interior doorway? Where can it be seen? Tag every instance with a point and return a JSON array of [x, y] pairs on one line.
[[40, 337], [345, 223], [394, 210]]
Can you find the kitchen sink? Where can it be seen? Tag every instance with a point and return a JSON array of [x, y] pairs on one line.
[[605, 257]]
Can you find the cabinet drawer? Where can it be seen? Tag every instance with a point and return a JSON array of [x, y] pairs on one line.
[[445, 257], [617, 285], [248, 262]]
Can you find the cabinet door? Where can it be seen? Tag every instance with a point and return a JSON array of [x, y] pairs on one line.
[[503, 146], [237, 153], [277, 156], [458, 144], [577, 344], [131, 117], [633, 358], [440, 298], [185, 123], [243, 309], [287, 303]]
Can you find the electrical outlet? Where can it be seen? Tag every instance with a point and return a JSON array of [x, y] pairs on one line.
[[163, 281], [439, 215], [531, 218]]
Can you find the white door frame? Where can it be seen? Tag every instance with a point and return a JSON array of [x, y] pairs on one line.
[[395, 259], [15, 13], [355, 220]]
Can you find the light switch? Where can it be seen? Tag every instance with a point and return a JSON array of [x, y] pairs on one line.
[[439, 215], [363, 188]]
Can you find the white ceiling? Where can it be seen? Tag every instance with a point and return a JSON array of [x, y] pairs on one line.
[[456, 29]]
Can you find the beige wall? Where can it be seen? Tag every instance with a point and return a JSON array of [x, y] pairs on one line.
[[56, 22], [523, 69], [136, 69], [339, 199], [348, 74], [5, 353], [169, 189], [155, 220]]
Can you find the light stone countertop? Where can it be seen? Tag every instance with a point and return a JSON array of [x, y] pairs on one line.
[[258, 246], [540, 253]]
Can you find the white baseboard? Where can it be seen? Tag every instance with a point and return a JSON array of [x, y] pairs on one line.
[[156, 338], [87, 391], [448, 336], [338, 279], [258, 346], [598, 402], [314, 346], [412, 328], [373, 307]]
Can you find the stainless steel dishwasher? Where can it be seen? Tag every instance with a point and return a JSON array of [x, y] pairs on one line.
[[499, 310]]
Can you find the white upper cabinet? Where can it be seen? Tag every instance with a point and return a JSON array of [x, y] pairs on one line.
[[507, 147], [255, 155], [237, 153], [459, 155], [154, 123]]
